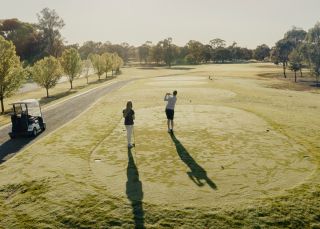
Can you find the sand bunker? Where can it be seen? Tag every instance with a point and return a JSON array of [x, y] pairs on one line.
[[218, 155]]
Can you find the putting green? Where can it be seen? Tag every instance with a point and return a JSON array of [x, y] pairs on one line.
[[218, 155]]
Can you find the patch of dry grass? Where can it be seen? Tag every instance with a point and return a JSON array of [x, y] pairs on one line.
[[57, 182]]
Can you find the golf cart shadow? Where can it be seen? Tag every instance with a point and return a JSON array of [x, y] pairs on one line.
[[197, 174], [9, 148]]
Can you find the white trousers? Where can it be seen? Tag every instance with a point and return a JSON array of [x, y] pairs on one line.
[[129, 133]]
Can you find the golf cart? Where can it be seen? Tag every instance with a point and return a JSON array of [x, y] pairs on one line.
[[27, 119]]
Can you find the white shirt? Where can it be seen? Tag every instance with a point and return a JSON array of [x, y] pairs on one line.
[[171, 101]]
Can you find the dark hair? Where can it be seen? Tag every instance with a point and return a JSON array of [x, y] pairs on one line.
[[129, 105], [175, 92]]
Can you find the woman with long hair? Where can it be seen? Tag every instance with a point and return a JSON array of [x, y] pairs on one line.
[[128, 115]]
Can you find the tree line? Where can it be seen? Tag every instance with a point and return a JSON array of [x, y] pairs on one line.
[[299, 49], [37, 51]]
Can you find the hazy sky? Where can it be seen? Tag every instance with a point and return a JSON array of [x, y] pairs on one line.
[[248, 22]]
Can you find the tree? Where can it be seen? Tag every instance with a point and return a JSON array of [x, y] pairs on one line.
[[206, 53], [116, 62], [217, 43], [89, 47], [313, 39], [71, 64], [144, 52], [295, 62], [247, 54], [295, 35], [107, 62], [157, 53], [47, 72], [195, 52], [221, 54], [49, 24], [11, 73], [25, 37], [97, 63], [169, 51], [261, 52], [86, 66], [125, 52], [314, 52], [280, 53]]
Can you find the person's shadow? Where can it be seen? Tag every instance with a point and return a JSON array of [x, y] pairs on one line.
[[134, 191], [197, 173]]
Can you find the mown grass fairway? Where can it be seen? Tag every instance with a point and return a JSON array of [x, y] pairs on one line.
[[244, 154]]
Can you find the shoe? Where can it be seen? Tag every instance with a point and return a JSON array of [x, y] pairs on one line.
[[169, 131], [129, 146]]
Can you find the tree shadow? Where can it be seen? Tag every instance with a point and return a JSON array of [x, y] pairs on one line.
[[197, 173], [134, 191], [45, 100]]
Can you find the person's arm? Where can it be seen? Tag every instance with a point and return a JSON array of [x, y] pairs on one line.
[[124, 113], [133, 117], [166, 97]]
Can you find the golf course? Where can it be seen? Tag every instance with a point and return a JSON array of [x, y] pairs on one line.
[[244, 154]]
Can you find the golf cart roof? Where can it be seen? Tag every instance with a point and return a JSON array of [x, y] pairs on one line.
[[27, 101]]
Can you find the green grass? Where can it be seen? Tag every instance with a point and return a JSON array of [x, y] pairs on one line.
[[56, 182]]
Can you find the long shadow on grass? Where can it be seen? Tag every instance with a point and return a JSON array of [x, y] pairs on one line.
[[134, 191], [12, 146], [197, 173]]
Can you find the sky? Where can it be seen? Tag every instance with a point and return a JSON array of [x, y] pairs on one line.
[[247, 22]]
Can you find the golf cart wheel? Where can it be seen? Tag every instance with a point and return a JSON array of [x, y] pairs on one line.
[[34, 132]]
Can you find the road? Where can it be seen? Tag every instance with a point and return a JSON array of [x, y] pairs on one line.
[[55, 116]]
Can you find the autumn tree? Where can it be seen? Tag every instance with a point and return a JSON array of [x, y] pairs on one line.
[[47, 72], [71, 64], [11, 73], [107, 62], [86, 66], [98, 64], [116, 62]]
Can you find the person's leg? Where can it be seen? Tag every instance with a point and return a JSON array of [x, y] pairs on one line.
[[129, 134], [172, 117], [168, 121]]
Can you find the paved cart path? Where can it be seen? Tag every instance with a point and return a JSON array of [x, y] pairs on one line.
[[55, 116]]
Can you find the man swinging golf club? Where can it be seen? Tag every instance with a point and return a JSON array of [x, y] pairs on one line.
[[128, 115], [171, 99]]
